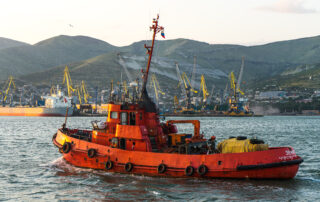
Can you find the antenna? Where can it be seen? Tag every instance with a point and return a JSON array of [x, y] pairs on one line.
[[156, 29]]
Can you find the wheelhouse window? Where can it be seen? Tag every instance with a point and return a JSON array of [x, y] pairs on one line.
[[123, 118], [114, 115], [132, 118]]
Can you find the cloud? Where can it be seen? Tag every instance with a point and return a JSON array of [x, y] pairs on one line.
[[288, 6]]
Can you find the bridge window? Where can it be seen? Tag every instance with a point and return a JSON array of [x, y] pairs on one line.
[[132, 118], [114, 115], [123, 118]]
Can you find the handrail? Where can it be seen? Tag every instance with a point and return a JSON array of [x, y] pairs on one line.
[[196, 125]]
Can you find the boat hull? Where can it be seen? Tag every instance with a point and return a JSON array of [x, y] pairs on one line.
[[276, 163], [34, 111]]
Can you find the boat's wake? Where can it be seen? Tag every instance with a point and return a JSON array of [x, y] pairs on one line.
[[61, 165]]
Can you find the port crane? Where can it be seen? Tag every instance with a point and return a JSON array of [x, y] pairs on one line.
[[211, 94], [82, 93], [185, 85], [176, 103], [235, 84], [79, 94], [240, 75], [193, 76], [7, 88], [67, 81], [235, 105], [127, 95], [156, 87], [85, 92], [204, 90]]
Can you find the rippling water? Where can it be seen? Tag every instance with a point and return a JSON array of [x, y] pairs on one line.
[[32, 168]]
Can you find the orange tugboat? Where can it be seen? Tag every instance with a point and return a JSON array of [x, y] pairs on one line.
[[133, 140]]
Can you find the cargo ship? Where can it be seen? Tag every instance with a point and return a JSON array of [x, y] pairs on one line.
[[134, 141], [55, 105]]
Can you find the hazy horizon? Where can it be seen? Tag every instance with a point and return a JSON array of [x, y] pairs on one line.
[[123, 22], [160, 39]]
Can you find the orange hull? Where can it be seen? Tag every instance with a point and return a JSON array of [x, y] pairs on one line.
[[276, 163], [33, 111]]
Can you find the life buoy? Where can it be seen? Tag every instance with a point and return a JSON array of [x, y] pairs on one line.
[[202, 170], [66, 147], [162, 168], [128, 167], [92, 153], [189, 171], [109, 165]]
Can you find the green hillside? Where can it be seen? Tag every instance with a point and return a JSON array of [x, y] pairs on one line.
[[56, 51], [302, 77], [97, 71], [97, 62]]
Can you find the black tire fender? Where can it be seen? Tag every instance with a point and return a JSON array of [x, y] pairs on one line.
[[109, 165], [66, 147], [162, 168], [189, 171], [202, 170], [92, 153], [128, 167]]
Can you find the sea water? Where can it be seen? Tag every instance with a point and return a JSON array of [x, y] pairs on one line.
[[31, 168]]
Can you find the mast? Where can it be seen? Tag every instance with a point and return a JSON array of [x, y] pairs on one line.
[[156, 29]]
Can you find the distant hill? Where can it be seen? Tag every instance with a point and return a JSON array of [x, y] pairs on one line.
[[97, 71], [261, 62], [9, 43], [97, 62], [21, 60]]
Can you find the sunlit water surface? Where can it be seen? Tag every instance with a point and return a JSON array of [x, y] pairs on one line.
[[31, 167]]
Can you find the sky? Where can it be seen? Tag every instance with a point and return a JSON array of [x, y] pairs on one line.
[[122, 22]]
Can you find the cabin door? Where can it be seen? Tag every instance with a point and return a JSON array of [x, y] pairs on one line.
[[122, 143]]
